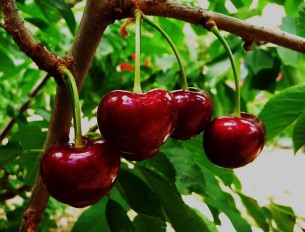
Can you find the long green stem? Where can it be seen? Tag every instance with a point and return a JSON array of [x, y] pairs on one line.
[[216, 32], [164, 34], [74, 98], [137, 79]]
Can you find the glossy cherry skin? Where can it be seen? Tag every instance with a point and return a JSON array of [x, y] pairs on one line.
[[80, 176], [137, 124], [232, 142], [195, 110]]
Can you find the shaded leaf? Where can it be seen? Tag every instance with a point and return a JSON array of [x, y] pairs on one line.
[[138, 194], [93, 219], [160, 163], [144, 223], [117, 217], [9, 152], [181, 216]]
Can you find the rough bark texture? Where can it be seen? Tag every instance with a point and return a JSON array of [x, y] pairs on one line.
[[97, 16]]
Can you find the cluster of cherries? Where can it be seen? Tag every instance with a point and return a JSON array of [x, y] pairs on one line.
[[134, 125]]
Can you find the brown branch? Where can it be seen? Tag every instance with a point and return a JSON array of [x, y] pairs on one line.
[[97, 16], [14, 25], [7, 128], [247, 31]]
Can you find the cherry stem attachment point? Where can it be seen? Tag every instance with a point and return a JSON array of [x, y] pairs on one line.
[[165, 35], [216, 32], [70, 84], [137, 79]]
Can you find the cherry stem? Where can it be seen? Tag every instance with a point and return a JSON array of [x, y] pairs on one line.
[[216, 32], [137, 79], [70, 83], [165, 35]]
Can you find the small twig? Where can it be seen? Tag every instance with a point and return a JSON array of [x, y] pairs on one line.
[[7, 128]]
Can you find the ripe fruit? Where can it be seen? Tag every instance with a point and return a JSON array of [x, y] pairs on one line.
[[80, 176], [232, 142], [195, 110], [138, 124]]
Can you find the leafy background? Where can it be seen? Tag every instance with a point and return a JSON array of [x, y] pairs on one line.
[[149, 195]]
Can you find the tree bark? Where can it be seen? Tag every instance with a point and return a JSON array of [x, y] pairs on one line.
[[89, 35]]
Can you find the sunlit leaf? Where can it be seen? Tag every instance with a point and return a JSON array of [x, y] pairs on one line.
[[299, 133], [283, 216], [289, 57], [283, 109]]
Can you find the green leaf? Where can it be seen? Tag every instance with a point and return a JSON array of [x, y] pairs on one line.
[[49, 11], [301, 20], [93, 219], [239, 223], [138, 194], [217, 71], [66, 13], [169, 26], [241, 3], [9, 152], [265, 79], [283, 216], [282, 110], [117, 217], [185, 159], [144, 223], [161, 164], [30, 137], [197, 174], [6, 64], [290, 7], [298, 137], [288, 56], [256, 212], [258, 60], [181, 216]]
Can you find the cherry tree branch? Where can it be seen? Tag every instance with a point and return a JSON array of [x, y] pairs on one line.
[[198, 16], [14, 25], [93, 24]]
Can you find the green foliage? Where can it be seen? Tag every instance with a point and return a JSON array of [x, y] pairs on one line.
[[149, 195], [289, 104]]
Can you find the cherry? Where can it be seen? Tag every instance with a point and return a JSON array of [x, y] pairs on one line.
[[195, 110], [137, 123], [80, 176], [232, 142]]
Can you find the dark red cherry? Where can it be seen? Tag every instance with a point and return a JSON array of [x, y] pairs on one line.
[[195, 110], [137, 124], [232, 142], [80, 176]]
